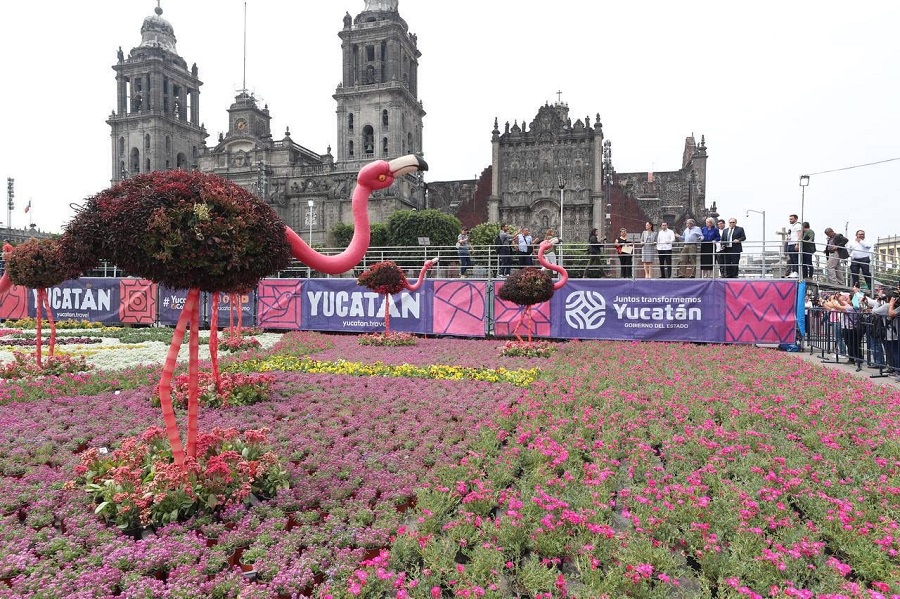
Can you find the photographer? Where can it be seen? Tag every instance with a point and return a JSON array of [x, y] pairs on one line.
[[849, 318], [886, 327]]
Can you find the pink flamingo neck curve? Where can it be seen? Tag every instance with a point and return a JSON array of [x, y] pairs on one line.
[[425, 267], [376, 175], [563, 274]]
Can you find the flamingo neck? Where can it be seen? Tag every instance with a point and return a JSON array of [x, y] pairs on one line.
[[351, 256], [563, 273], [415, 286]]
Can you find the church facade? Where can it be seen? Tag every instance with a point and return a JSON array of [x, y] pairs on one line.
[[535, 170]]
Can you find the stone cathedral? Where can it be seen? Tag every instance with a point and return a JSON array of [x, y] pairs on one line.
[[156, 125]]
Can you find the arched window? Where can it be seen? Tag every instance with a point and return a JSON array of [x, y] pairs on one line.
[[409, 142], [368, 140], [384, 146], [123, 171], [147, 143], [168, 144], [135, 161], [180, 160], [350, 122], [121, 146], [350, 149], [147, 165], [384, 119]]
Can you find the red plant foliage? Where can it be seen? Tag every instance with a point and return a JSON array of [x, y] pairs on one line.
[[384, 278], [183, 229]]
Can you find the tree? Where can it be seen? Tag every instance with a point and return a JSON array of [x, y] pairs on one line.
[[406, 226], [342, 233]]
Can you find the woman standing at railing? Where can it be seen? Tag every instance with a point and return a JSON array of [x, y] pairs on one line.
[[707, 247], [626, 253], [648, 249], [464, 249]]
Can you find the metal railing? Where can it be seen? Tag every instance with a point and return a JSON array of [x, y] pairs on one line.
[[753, 264]]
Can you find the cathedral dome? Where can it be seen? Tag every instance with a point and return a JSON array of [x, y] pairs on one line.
[[156, 32]]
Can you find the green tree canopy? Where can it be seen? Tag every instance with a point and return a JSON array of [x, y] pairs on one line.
[[406, 226]]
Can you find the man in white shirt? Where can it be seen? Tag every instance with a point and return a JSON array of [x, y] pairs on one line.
[[860, 258], [664, 240], [792, 247]]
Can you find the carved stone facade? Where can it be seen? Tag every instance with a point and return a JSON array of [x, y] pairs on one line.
[[553, 161]]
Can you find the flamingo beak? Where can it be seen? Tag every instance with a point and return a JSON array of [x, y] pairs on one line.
[[407, 164]]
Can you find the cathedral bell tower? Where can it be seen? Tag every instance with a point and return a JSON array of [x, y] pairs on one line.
[[379, 115], [156, 124]]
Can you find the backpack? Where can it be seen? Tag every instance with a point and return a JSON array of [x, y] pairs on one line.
[[498, 242]]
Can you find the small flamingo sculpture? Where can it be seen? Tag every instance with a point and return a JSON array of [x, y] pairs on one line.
[[530, 286]]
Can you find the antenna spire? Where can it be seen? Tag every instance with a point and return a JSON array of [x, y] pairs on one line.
[[244, 85]]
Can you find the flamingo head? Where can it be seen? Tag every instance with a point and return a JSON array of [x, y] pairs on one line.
[[382, 174], [547, 244], [431, 263]]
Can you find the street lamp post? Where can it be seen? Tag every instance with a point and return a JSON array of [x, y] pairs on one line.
[[562, 190], [804, 181], [763, 212]]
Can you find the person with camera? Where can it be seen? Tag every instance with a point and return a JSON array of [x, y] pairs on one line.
[[886, 328], [849, 318], [836, 251]]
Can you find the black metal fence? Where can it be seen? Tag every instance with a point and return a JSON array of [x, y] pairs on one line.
[[855, 337]]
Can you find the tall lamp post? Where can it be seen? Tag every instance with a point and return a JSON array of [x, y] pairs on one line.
[[310, 204], [763, 212], [804, 181], [562, 190]]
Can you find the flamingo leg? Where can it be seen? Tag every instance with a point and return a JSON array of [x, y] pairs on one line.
[[387, 313], [52, 323], [519, 323], [214, 339], [193, 412], [37, 340], [238, 314], [165, 382], [526, 316]]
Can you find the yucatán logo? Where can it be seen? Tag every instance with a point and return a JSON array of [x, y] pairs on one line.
[[585, 310]]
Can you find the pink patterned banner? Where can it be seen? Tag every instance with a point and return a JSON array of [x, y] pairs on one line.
[[760, 311]]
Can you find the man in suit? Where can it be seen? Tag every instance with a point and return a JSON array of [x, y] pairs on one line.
[[732, 238]]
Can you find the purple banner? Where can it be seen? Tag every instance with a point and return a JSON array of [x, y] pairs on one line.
[[342, 305], [171, 302], [655, 310], [93, 299]]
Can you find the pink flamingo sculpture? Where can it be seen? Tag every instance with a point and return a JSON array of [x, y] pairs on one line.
[[530, 286], [386, 278], [37, 264], [190, 230]]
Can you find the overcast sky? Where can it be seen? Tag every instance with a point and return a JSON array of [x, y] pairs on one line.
[[779, 89]]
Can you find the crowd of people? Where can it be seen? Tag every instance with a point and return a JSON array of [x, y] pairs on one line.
[[856, 319], [711, 251]]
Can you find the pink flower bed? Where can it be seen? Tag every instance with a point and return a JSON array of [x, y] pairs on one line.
[[627, 470], [356, 450]]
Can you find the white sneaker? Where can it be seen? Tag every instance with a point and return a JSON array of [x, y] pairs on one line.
[[793, 275]]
